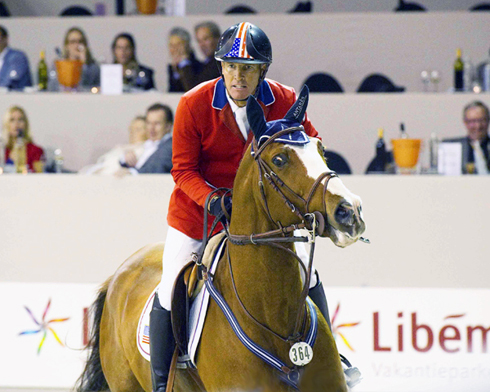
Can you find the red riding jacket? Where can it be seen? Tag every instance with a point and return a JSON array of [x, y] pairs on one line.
[[208, 146]]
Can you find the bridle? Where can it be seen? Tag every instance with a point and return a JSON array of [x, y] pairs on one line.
[[313, 222]]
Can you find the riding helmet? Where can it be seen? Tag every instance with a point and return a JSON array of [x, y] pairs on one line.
[[244, 43]]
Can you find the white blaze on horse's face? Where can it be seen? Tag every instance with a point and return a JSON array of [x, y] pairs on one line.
[[315, 166]]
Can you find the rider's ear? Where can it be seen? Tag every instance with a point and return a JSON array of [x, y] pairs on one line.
[[255, 116], [297, 111]]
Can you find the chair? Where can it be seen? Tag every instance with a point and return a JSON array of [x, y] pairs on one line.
[[389, 169], [76, 11], [323, 83], [378, 83], [241, 9], [481, 7], [302, 6], [336, 162], [404, 7]]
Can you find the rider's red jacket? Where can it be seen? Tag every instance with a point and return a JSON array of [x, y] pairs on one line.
[[208, 146]]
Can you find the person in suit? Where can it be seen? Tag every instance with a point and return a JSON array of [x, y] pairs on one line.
[[135, 75], [157, 152], [476, 144], [184, 67], [207, 36], [15, 73]]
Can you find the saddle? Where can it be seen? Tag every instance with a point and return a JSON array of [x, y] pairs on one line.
[[186, 287]]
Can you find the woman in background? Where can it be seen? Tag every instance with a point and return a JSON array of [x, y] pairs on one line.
[[20, 151], [135, 75], [76, 48]]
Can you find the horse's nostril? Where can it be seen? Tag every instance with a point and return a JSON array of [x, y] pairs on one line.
[[344, 214]]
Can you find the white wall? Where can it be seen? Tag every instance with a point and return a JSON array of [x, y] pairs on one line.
[[209, 7], [426, 231]]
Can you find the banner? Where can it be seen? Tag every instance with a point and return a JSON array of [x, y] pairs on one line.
[[401, 339]]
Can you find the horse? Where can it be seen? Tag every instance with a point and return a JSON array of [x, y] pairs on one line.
[[283, 183]]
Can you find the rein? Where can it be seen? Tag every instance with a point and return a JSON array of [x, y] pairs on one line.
[[313, 222]]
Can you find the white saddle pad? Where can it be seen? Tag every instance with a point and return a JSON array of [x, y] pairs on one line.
[[197, 317]]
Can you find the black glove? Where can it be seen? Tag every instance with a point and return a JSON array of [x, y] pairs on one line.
[[215, 205]]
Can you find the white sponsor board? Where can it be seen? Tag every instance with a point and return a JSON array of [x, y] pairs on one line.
[[403, 340]]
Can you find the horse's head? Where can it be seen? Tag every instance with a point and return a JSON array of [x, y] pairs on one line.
[[292, 179]]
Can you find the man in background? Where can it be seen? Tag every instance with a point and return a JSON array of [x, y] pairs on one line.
[[14, 66], [157, 154], [207, 36], [476, 144]]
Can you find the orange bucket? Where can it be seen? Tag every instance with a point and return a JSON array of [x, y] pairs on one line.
[[406, 152], [147, 7], [69, 72]]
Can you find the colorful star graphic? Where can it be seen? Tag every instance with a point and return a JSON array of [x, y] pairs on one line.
[[336, 328], [44, 326]]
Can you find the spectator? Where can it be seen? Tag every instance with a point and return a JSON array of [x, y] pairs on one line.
[[476, 145], [207, 36], [20, 150], [15, 73], [109, 162], [76, 48], [157, 154], [184, 66], [135, 75]]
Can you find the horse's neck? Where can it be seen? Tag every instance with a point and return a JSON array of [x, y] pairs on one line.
[[267, 279]]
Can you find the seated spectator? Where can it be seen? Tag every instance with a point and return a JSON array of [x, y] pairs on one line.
[[476, 144], [184, 65], [157, 154], [135, 75], [109, 162], [15, 73], [207, 36], [76, 48], [20, 151]]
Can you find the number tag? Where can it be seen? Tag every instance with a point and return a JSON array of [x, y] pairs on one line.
[[301, 354]]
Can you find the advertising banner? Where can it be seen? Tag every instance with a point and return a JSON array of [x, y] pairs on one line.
[[401, 339]]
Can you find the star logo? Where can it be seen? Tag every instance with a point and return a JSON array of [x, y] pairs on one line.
[[43, 326], [336, 329]]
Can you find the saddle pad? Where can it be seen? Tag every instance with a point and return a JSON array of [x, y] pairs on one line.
[[143, 330], [199, 308]]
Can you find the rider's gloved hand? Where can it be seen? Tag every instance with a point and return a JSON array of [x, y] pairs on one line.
[[216, 205]]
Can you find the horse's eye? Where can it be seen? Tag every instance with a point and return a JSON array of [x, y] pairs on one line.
[[280, 160]]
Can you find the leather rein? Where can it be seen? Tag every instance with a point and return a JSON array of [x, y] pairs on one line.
[[313, 222]]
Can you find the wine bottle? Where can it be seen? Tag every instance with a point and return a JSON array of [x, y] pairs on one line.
[[380, 159], [403, 133], [458, 72], [42, 73]]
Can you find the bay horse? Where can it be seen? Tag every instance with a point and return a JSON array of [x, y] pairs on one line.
[[283, 183]]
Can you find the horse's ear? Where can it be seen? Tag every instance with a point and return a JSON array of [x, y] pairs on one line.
[[297, 111], [255, 116]]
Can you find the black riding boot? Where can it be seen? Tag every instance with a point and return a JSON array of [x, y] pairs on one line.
[[162, 345], [317, 295]]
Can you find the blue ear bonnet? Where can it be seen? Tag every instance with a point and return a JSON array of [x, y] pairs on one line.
[[294, 117], [297, 137]]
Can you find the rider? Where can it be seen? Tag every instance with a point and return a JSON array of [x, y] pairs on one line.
[[211, 134]]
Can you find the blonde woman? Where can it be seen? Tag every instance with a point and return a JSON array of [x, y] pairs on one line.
[[76, 48], [16, 133]]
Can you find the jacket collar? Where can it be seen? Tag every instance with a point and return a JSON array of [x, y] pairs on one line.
[[266, 96]]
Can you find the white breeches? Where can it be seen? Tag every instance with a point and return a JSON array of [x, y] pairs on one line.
[[178, 252]]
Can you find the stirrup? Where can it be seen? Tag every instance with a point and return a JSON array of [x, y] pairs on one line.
[[352, 374]]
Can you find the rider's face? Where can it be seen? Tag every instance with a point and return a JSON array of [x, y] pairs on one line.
[[241, 80]]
